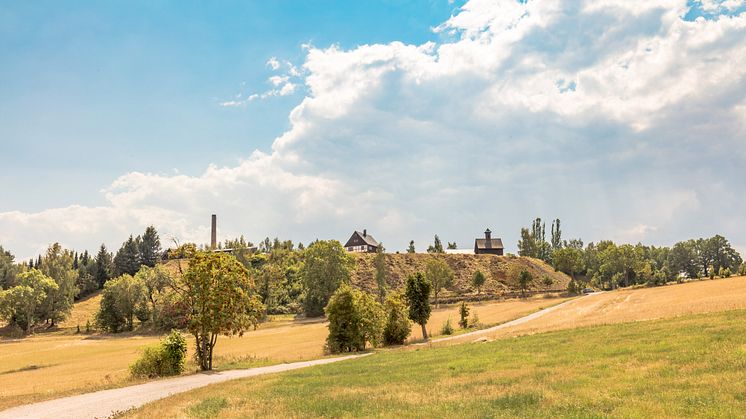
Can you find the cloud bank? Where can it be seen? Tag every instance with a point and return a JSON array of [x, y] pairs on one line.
[[627, 120]]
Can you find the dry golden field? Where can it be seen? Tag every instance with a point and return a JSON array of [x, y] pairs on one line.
[[639, 304], [49, 365]]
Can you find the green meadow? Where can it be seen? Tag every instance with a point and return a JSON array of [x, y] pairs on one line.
[[690, 366]]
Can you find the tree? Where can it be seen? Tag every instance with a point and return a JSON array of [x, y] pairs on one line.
[[398, 326], [440, 275], [478, 280], [58, 265], [355, 317], [417, 292], [221, 298], [379, 263], [436, 247], [20, 304], [123, 298], [411, 249], [568, 260], [533, 242], [150, 247], [556, 240], [128, 258], [327, 266], [525, 278], [156, 281], [452, 246], [463, 312], [683, 259], [8, 269], [104, 266]]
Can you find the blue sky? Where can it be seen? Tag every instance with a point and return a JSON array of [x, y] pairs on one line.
[[94, 90], [308, 120]]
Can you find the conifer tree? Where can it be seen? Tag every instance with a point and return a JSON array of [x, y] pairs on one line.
[[150, 247]]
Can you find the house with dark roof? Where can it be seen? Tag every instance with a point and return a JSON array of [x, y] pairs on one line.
[[488, 245], [362, 243]]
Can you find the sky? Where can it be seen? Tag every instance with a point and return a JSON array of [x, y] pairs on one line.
[[306, 120]]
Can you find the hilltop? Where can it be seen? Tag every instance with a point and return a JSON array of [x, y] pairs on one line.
[[497, 268]]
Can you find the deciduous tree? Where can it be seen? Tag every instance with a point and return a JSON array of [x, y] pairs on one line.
[[440, 275], [327, 266], [418, 290], [222, 300], [478, 280]]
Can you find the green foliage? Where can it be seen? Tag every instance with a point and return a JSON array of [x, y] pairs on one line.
[[20, 305], [327, 266], [8, 269], [452, 245], [168, 358], [157, 282], [221, 297], [524, 279], [104, 266], [417, 293], [533, 242], [463, 312], [379, 263], [127, 260], [478, 280], [474, 322], [725, 273], [150, 247], [742, 269], [398, 325], [568, 260], [184, 251], [436, 247], [440, 275], [447, 328], [410, 248], [355, 318], [547, 281], [123, 299], [208, 408], [58, 265]]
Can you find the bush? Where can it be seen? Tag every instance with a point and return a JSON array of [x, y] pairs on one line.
[[464, 313], [398, 325], [447, 328], [475, 321], [742, 269], [355, 318], [160, 361], [725, 273]]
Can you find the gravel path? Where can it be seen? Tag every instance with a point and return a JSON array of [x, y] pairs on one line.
[[102, 404], [516, 322]]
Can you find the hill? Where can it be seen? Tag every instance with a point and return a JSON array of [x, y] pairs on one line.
[[690, 366], [496, 268]]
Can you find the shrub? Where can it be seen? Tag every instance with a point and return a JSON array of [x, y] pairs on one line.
[[398, 325], [475, 321], [168, 358], [447, 328], [355, 318], [464, 313], [725, 273], [742, 269]]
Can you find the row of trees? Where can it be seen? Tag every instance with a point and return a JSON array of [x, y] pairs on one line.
[[609, 265]]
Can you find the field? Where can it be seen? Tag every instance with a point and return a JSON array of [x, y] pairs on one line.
[[689, 366], [49, 365]]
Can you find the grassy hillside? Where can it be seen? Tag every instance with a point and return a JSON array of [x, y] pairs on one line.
[[495, 267], [692, 366]]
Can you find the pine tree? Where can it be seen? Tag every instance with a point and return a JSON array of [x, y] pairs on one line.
[[127, 259], [150, 247], [103, 269]]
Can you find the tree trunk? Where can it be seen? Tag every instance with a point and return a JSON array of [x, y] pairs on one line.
[[424, 332]]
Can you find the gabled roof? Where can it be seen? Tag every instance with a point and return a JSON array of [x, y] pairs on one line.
[[368, 239], [488, 244]]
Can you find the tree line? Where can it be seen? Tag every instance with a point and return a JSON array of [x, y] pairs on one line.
[[609, 265]]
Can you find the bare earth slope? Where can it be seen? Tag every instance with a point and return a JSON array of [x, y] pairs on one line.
[[496, 268]]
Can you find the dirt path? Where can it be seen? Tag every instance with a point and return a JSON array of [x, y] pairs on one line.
[[516, 322], [105, 403]]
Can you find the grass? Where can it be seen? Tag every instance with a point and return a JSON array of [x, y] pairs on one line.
[[693, 365], [55, 364]]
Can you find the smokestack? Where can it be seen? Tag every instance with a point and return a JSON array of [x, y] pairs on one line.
[[214, 233]]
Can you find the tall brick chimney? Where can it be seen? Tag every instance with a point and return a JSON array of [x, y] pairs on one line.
[[214, 233]]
